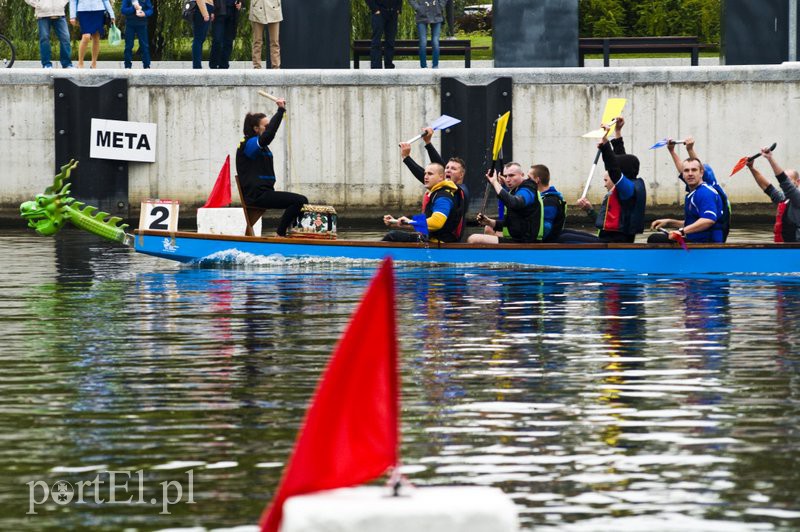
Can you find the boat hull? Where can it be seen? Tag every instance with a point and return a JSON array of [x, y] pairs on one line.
[[636, 258]]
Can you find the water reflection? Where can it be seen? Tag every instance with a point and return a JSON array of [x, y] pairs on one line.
[[597, 401]]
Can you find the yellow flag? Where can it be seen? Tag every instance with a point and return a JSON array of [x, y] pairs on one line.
[[499, 134], [614, 107]]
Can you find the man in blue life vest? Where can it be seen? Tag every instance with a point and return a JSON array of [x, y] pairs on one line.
[[523, 220], [555, 208], [708, 177], [787, 199], [702, 211], [441, 214]]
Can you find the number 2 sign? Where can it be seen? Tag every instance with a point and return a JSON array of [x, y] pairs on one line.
[[159, 215]]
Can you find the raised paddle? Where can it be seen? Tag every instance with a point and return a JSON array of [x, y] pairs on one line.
[[664, 142], [497, 147], [594, 164], [443, 122], [744, 160], [614, 107]]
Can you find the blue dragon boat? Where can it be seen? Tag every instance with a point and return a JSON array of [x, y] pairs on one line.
[[767, 258], [50, 211]]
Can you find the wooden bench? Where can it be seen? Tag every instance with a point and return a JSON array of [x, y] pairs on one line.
[[458, 47], [640, 45], [251, 214]]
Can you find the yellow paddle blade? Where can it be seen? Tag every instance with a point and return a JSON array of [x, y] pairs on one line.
[[614, 107], [499, 134]]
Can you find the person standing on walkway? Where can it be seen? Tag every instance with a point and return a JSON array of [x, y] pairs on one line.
[[223, 32], [428, 12], [201, 19], [136, 14], [256, 168], [50, 17], [90, 15], [384, 16], [450, 17], [266, 13]]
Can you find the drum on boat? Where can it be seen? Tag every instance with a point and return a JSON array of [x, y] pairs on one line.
[[315, 221]]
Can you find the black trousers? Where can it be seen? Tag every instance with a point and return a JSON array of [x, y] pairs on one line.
[[450, 17], [273, 199], [397, 235], [659, 238], [571, 236], [223, 33], [383, 25]]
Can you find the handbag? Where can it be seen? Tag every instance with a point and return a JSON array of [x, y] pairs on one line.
[[114, 35], [188, 10]]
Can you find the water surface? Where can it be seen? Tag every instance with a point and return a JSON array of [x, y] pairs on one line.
[[596, 401]]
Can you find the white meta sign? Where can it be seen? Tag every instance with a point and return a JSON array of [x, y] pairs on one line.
[[123, 141], [159, 215]]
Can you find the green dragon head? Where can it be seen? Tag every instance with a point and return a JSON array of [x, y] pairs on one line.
[[46, 213], [50, 211]]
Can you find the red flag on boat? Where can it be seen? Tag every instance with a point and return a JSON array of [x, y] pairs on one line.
[[350, 434], [221, 193]]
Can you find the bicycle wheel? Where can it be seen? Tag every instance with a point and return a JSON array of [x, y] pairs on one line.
[[7, 52]]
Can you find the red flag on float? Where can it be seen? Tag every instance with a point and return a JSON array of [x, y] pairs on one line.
[[350, 434], [221, 193]]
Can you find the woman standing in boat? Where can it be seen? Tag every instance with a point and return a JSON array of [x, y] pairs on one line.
[[254, 164]]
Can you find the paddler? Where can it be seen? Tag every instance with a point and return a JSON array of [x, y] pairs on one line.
[[787, 219]]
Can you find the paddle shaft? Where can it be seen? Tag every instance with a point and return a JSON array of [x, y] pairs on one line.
[[757, 155], [268, 96], [596, 158], [591, 173]]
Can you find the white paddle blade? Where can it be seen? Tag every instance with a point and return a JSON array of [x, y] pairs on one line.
[[594, 134], [443, 122]]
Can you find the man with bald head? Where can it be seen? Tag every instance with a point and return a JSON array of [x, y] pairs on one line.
[[787, 221], [441, 213]]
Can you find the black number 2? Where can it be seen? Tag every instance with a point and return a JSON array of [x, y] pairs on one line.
[[162, 214]]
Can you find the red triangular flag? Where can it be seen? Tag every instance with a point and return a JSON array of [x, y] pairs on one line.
[[221, 194], [350, 434]]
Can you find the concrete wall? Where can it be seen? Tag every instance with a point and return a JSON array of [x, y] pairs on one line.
[[338, 145]]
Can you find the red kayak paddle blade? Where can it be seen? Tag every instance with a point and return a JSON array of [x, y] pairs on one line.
[[682, 241], [741, 164]]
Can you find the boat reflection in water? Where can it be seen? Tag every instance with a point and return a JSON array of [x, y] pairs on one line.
[[598, 401]]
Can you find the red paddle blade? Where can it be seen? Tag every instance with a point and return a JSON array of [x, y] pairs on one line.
[[682, 241], [741, 164]]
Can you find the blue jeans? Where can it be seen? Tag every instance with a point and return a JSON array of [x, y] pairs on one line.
[[62, 32], [199, 32], [422, 30], [131, 32]]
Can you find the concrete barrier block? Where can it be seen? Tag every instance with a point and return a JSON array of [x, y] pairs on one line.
[[373, 509], [225, 221]]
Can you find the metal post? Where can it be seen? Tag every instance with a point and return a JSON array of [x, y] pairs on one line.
[[792, 30]]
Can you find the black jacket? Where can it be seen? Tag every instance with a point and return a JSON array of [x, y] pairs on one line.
[[385, 5]]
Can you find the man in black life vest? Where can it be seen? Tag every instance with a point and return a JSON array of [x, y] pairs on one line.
[[523, 221]]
